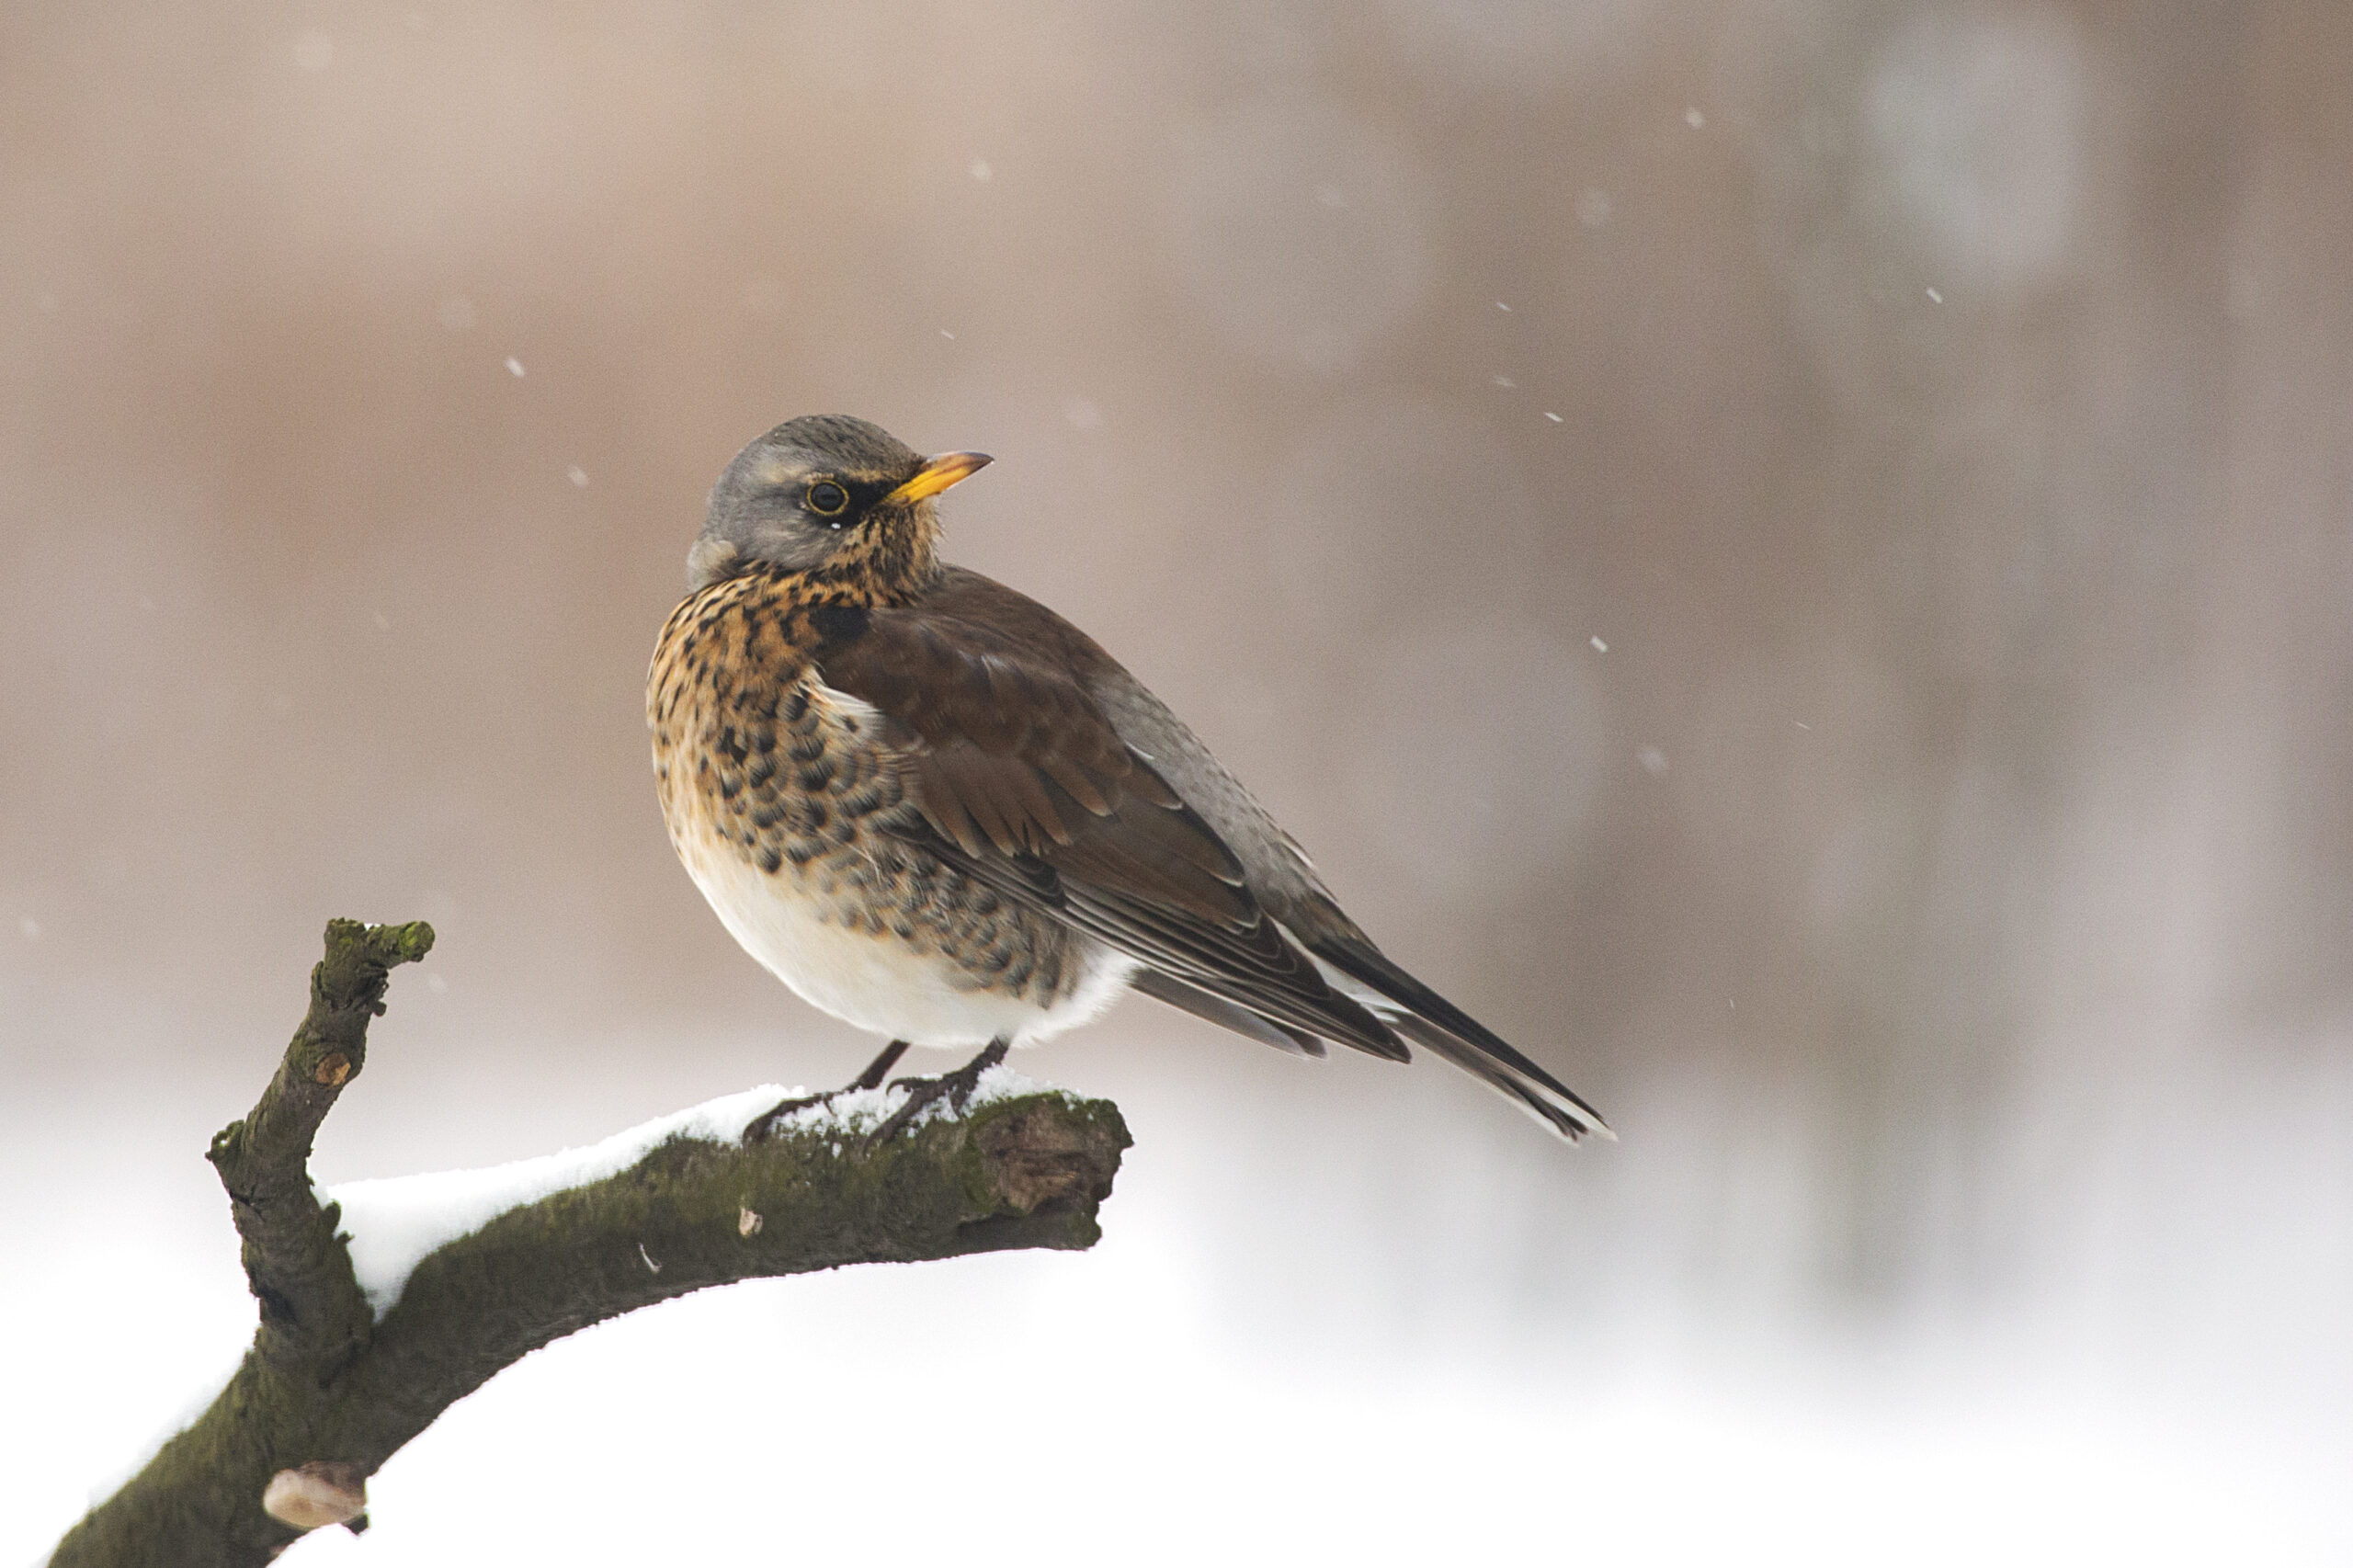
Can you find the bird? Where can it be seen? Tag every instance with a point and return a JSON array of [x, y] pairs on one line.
[[939, 812]]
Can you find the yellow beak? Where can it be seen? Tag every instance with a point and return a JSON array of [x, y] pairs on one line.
[[947, 469]]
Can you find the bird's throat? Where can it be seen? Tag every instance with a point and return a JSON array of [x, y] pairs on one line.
[[890, 563]]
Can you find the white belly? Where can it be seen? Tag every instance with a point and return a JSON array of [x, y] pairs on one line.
[[882, 982]]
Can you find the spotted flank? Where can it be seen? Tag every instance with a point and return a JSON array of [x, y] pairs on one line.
[[782, 797]]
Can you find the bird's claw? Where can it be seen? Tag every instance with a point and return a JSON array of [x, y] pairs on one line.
[[955, 1087], [763, 1127]]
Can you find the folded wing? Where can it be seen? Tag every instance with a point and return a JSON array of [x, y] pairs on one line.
[[1023, 784]]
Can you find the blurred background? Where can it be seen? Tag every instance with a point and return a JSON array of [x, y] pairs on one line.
[[1860, 489]]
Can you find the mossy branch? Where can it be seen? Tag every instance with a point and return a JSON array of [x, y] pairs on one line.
[[312, 1310], [327, 1394]]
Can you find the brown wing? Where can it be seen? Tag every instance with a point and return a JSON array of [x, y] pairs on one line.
[[1022, 782]]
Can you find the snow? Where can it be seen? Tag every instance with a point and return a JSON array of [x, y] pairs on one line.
[[861, 1112], [394, 1223]]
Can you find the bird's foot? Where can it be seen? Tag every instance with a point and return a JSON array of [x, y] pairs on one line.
[[764, 1127], [955, 1087]]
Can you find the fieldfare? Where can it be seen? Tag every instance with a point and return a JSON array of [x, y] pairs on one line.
[[941, 812]]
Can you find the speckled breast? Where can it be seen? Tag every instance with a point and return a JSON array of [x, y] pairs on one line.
[[779, 793]]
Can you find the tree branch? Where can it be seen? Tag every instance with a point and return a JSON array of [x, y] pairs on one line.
[[328, 1393], [312, 1310]]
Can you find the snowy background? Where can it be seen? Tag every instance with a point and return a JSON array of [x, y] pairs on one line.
[[1939, 413]]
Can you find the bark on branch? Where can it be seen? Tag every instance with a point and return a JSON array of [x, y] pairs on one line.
[[327, 1394]]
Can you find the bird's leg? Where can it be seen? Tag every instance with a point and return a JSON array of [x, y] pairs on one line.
[[954, 1087], [876, 1070], [760, 1130]]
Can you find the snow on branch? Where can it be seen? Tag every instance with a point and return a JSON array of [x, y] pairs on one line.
[[384, 1302]]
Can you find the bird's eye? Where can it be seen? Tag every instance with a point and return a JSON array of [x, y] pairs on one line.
[[827, 499]]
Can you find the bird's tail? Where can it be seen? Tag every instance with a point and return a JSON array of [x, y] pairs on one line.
[[1422, 1016]]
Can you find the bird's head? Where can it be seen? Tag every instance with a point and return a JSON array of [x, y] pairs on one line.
[[832, 496]]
